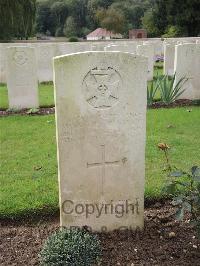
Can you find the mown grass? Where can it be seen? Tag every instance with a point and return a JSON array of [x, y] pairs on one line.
[[46, 95], [28, 163]]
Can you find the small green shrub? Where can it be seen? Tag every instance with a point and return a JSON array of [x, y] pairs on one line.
[[73, 39], [73, 247], [172, 31], [184, 188], [13, 110], [168, 90], [196, 102], [32, 111]]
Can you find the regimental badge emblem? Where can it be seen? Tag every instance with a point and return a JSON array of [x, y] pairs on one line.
[[20, 57], [101, 87]]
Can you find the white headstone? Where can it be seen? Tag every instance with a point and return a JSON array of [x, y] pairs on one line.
[[69, 48], [187, 64], [169, 54], [22, 78], [98, 46], [2, 63], [147, 50], [101, 121], [129, 48], [45, 54]]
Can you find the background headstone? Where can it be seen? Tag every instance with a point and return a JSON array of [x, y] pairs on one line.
[[22, 78], [45, 54], [147, 50], [187, 64], [101, 124], [169, 54]]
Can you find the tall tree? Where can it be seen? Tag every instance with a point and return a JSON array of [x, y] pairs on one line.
[[112, 20], [182, 14], [21, 15], [45, 19], [70, 28]]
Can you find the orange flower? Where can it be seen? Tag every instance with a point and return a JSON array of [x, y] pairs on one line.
[[163, 146]]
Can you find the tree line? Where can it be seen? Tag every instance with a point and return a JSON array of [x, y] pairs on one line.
[[17, 18], [168, 18]]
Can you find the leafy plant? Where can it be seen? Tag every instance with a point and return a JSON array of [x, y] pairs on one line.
[[73, 247], [32, 111], [13, 110], [168, 90], [184, 187], [151, 91], [196, 102]]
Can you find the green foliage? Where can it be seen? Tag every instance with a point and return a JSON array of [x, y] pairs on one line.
[[149, 25], [59, 32], [73, 247], [70, 28], [119, 15], [152, 90], [172, 31], [13, 110], [183, 15], [160, 17], [185, 189], [17, 18], [32, 111], [73, 39], [170, 91], [45, 18], [111, 19], [196, 102]]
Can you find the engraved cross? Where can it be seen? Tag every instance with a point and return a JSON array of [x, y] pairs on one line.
[[103, 165]]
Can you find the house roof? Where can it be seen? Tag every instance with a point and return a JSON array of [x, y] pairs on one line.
[[103, 33]]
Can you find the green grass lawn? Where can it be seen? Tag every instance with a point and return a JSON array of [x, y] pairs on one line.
[[46, 95], [28, 167]]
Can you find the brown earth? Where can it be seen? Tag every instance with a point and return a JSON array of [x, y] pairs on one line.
[[51, 110], [164, 241]]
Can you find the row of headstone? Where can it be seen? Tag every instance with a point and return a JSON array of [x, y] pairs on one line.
[[184, 61], [18, 74], [169, 53], [22, 80], [187, 64], [148, 51], [46, 52]]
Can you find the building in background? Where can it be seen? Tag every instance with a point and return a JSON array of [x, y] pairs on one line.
[[103, 34], [137, 34]]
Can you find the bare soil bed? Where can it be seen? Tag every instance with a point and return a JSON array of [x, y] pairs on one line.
[[51, 110], [164, 241]]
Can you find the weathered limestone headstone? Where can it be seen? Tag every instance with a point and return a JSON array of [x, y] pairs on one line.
[[101, 121], [2, 63], [187, 64], [98, 46], [69, 48], [129, 48], [169, 54], [45, 54], [22, 78], [147, 50]]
